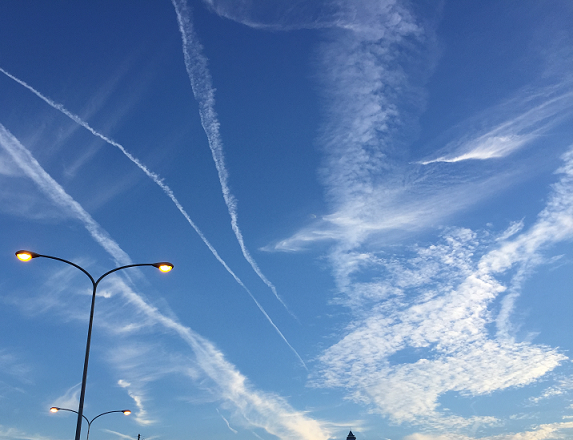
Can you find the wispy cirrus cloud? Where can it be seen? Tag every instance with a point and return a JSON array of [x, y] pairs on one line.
[[69, 399], [563, 386], [364, 16], [554, 224], [368, 98], [372, 67], [534, 119], [486, 147], [11, 364], [399, 198], [253, 407], [437, 305], [297, 14], [550, 431], [138, 398], [17, 434], [389, 213]]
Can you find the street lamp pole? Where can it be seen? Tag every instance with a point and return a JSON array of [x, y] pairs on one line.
[[28, 255], [55, 409]]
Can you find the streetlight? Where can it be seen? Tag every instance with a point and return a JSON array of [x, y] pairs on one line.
[[23, 255], [55, 409]]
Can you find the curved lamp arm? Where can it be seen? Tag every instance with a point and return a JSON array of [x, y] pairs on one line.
[[24, 255], [28, 255], [163, 267], [124, 411], [55, 409]]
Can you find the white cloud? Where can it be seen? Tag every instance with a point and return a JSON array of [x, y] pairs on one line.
[[536, 114], [8, 167], [437, 301], [553, 431], [488, 147], [382, 197], [373, 91], [141, 415], [7, 433], [389, 214], [11, 364], [564, 385], [69, 399], [371, 17], [513, 229]]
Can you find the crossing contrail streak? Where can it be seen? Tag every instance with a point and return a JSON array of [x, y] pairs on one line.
[[155, 177], [54, 191], [202, 85]]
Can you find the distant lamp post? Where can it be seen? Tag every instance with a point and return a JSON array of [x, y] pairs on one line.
[[55, 409], [163, 266]]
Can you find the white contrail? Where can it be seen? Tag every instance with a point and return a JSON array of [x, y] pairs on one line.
[[202, 85], [149, 173], [227, 422], [155, 177], [30, 166]]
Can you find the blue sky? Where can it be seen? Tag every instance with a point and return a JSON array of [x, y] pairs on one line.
[[369, 206]]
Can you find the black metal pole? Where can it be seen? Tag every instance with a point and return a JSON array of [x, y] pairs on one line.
[[85, 373]]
